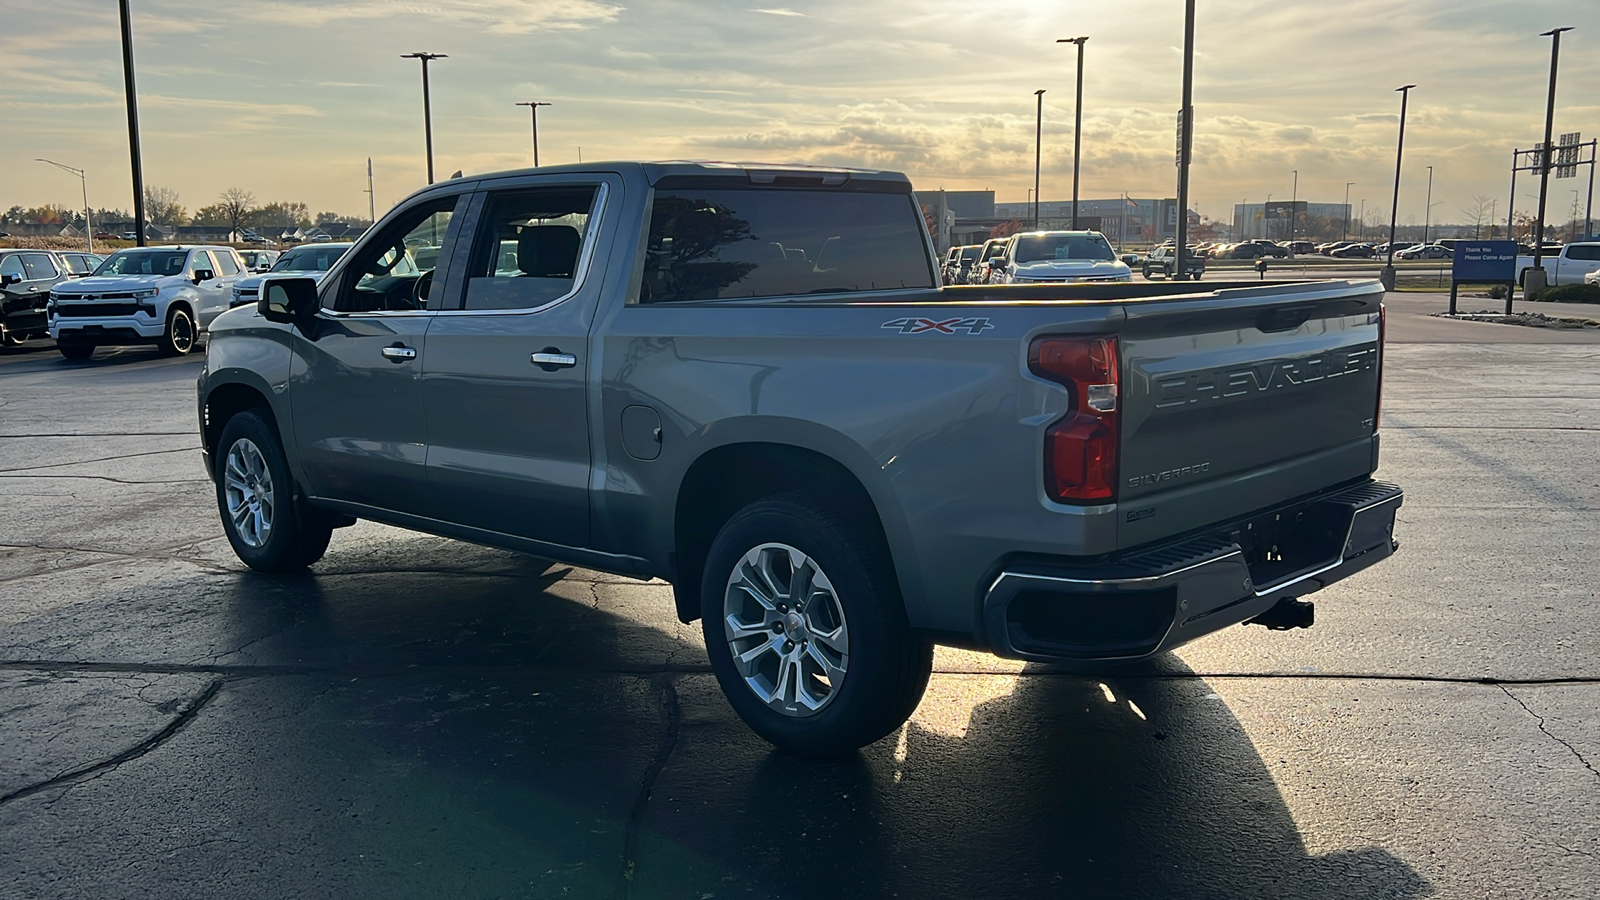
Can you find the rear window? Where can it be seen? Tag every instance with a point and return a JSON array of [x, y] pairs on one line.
[[714, 243]]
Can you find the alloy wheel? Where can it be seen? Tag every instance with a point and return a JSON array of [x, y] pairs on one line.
[[786, 630], [247, 486]]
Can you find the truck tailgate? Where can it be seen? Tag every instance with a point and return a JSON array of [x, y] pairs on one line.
[[1238, 401]]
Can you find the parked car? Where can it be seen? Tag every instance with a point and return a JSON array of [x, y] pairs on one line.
[[641, 388], [130, 235], [26, 278], [985, 270], [1357, 250], [1165, 261], [1328, 248], [1592, 277], [308, 258], [1424, 251], [165, 296], [1568, 265], [1272, 248], [1384, 249], [104, 236], [259, 260], [1035, 257], [1245, 250], [966, 259], [1300, 247]]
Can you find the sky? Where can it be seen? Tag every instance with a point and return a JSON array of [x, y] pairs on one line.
[[288, 98]]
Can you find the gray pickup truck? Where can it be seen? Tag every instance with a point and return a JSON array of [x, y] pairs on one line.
[[746, 381]]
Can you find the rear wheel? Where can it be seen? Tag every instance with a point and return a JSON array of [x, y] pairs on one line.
[[256, 497], [806, 630], [178, 339], [75, 351]]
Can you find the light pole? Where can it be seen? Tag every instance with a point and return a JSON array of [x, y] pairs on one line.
[[1077, 125], [1361, 230], [133, 121], [1345, 234], [1387, 275], [1185, 142], [1266, 223], [1038, 136], [372, 194], [1294, 195], [1427, 212], [1535, 280], [1493, 204], [533, 109], [88, 224], [427, 106]]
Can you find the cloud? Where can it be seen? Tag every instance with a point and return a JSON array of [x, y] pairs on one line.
[[492, 16], [779, 11]]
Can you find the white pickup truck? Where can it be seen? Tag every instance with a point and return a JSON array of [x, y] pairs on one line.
[[1568, 266], [165, 296]]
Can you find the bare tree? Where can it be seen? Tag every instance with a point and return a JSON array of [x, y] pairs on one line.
[[236, 205], [1477, 212], [162, 207]]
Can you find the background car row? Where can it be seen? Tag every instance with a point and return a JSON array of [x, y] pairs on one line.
[[26, 277], [1036, 257]]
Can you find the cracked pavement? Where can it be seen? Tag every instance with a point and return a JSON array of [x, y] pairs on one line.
[[421, 718]]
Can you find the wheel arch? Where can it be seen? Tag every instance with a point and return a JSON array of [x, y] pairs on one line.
[[726, 477], [226, 399]]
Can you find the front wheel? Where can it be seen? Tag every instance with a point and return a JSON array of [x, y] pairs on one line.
[[178, 339], [255, 495], [806, 630]]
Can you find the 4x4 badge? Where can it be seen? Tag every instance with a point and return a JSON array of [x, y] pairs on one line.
[[948, 326]]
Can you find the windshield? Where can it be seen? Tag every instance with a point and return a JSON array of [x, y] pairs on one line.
[[1052, 247], [309, 259], [144, 262]]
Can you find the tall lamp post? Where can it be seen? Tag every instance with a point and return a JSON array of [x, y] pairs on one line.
[[1535, 279], [88, 224], [1387, 275], [133, 121], [1077, 125], [1345, 234], [427, 105], [1185, 142], [1294, 196], [533, 109], [1428, 206], [1038, 136]]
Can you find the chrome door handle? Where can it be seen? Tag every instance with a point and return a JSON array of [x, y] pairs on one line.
[[551, 359], [399, 353]]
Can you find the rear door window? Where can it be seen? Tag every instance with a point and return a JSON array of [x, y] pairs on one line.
[[39, 266], [530, 246], [225, 263], [1583, 251], [721, 243]]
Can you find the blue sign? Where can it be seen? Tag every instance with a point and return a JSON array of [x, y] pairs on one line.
[[1484, 262]]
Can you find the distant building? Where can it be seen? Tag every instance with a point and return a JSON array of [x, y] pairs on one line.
[[1271, 221], [1131, 220]]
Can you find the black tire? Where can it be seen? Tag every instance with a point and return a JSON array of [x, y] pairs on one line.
[[888, 664], [179, 337], [75, 351], [297, 536]]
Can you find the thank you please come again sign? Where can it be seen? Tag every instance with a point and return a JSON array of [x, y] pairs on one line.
[[1484, 262]]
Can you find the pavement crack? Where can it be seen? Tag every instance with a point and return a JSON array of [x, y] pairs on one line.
[[84, 462], [71, 434], [160, 554], [647, 783], [109, 478], [184, 717], [1548, 733]]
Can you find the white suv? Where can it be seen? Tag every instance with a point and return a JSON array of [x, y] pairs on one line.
[[144, 295]]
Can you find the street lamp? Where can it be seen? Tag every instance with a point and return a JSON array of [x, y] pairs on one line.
[[1345, 234], [88, 224], [533, 109], [1294, 195], [1387, 275], [1038, 135], [1427, 212], [427, 106], [1535, 280], [132, 96], [1077, 124], [1185, 143]]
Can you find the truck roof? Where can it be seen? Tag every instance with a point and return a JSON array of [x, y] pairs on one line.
[[758, 172]]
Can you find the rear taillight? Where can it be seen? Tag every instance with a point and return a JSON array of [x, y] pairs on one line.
[[1383, 318], [1080, 449]]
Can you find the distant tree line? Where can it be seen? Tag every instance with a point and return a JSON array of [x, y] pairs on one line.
[[235, 207]]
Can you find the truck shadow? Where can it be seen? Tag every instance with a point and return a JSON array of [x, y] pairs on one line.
[[548, 701]]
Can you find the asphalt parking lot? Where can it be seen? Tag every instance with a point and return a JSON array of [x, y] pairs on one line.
[[424, 718]]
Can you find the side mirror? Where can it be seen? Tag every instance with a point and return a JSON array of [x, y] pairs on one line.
[[291, 299], [203, 275], [9, 279]]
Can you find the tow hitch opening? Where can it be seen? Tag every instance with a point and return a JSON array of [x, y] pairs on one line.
[[1288, 613]]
